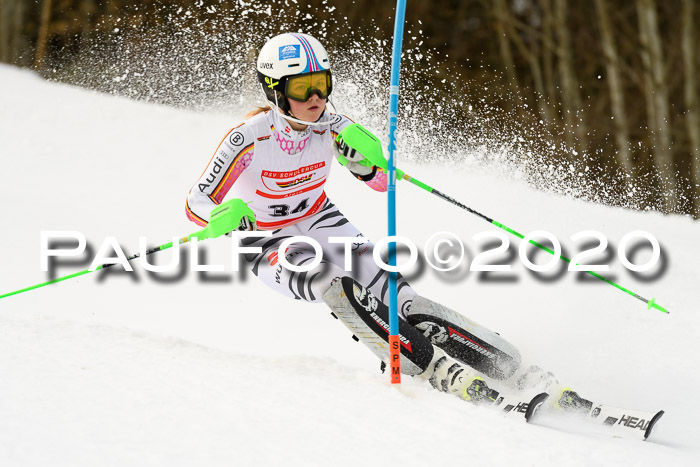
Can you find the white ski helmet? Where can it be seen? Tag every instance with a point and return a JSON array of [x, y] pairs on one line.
[[290, 55]]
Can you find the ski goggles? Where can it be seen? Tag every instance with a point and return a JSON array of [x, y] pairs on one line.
[[300, 87]]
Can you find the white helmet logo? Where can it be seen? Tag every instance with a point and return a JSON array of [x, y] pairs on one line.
[[289, 51]]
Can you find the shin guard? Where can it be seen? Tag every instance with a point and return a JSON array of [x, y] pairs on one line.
[[368, 319], [463, 339]]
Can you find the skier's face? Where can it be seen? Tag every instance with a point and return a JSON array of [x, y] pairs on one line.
[[309, 111]]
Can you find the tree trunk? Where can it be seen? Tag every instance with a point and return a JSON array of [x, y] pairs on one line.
[[87, 9], [571, 100], [11, 24], [547, 51], [501, 14], [657, 101], [533, 61], [16, 34], [43, 37], [692, 117], [617, 93], [5, 31]]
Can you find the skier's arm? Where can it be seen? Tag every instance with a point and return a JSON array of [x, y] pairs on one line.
[[373, 175], [361, 153], [233, 155]]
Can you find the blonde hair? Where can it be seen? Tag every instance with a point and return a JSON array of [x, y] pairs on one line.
[[256, 111]]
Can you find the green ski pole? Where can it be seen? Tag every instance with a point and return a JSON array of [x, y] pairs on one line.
[[370, 147], [650, 303], [80, 273], [223, 219]]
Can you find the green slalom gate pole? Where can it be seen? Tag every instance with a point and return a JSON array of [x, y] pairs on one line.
[[223, 219], [650, 303]]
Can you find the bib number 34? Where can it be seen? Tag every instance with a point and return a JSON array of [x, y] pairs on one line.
[[282, 210]]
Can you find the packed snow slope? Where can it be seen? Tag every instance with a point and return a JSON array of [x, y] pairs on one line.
[[187, 368]]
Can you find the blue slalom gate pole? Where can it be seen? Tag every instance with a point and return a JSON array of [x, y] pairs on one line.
[[394, 342]]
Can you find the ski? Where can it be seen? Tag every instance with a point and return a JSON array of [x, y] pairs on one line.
[[626, 422], [518, 406], [618, 421]]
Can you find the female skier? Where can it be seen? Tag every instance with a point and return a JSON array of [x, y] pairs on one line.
[[277, 161]]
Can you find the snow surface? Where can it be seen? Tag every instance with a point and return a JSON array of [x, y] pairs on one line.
[[125, 369]]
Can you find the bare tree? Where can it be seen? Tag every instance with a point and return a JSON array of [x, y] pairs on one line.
[[87, 9], [11, 23], [547, 53], [43, 34], [617, 93], [502, 14], [4, 31], [656, 94], [571, 99], [532, 56], [692, 117]]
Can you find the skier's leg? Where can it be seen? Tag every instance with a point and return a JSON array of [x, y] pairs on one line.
[[463, 339], [367, 318], [330, 222], [267, 266], [311, 285], [423, 358], [471, 344], [474, 345]]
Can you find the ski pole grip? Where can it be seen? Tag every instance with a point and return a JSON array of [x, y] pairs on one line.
[[363, 141], [225, 218]]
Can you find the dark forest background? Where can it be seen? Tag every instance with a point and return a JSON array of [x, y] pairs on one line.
[[614, 80]]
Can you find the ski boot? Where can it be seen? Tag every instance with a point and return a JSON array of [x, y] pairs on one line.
[[448, 375], [570, 401]]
